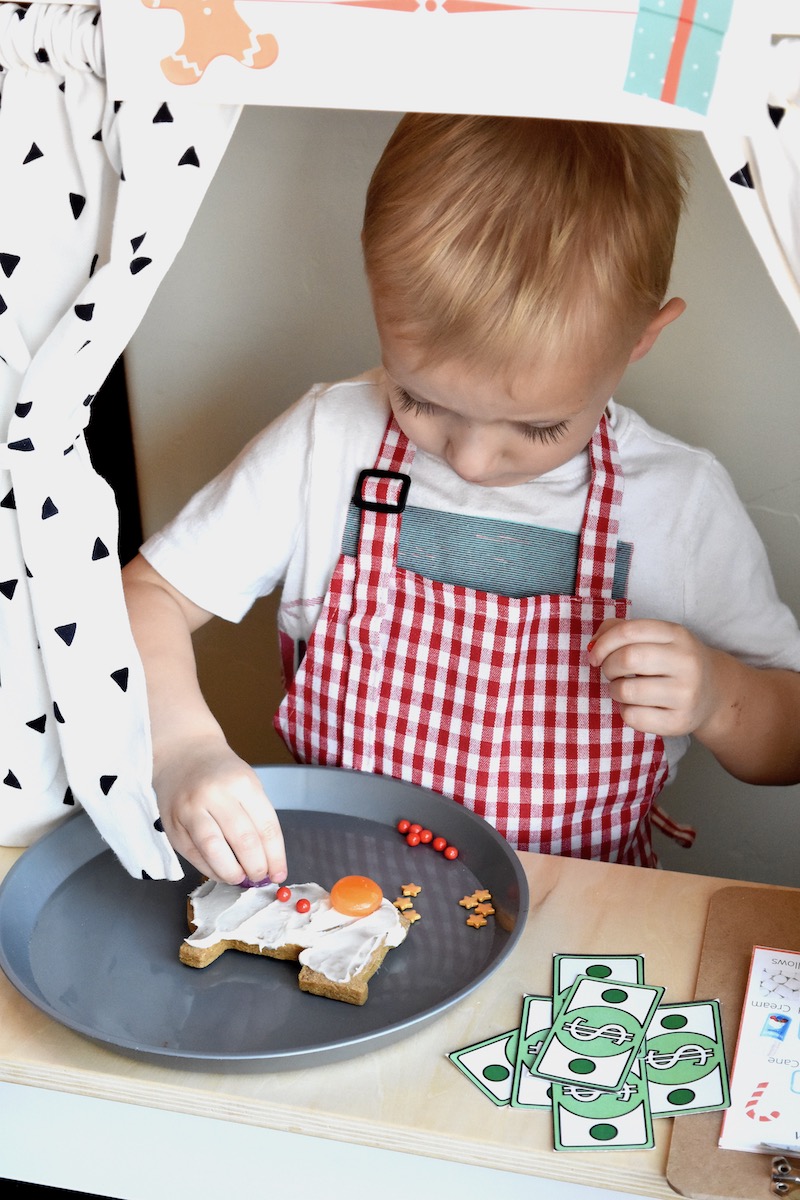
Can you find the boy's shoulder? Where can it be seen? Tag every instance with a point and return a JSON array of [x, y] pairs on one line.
[[352, 411], [662, 472], [641, 443], [340, 427], [350, 396], [328, 417]]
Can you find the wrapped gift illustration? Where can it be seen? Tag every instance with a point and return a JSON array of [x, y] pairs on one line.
[[676, 49]]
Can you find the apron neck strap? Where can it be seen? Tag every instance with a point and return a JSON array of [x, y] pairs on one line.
[[598, 545], [396, 452]]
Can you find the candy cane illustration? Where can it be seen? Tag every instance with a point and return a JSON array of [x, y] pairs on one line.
[[752, 1104]]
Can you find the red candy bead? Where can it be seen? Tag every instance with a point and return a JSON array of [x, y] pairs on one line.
[[416, 834], [303, 905], [283, 894]]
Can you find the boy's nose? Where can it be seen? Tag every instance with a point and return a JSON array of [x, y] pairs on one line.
[[472, 455]]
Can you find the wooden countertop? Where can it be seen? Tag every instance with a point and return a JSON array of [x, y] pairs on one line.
[[408, 1096]]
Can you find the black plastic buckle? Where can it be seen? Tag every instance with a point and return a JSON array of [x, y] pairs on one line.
[[375, 505]]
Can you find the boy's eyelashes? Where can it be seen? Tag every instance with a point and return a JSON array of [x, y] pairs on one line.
[[535, 433], [420, 408], [545, 433]]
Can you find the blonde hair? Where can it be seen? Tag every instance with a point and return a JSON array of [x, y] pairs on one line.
[[482, 235]]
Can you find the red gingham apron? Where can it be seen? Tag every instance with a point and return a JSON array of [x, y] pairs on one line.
[[488, 699]]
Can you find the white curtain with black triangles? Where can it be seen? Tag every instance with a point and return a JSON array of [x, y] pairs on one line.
[[95, 201], [762, 168]]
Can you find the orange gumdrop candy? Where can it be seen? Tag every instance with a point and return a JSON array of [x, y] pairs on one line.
[[356, 896]]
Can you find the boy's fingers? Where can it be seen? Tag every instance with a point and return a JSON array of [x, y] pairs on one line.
[[614, 634], [660, 721], [598, 652], [609, 623], [644, 691], [271, 838], [256, 835], [207, 849], [234, 843], [248, 844], [222, 821]]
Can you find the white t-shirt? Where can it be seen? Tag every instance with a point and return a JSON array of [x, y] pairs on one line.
[[277, 515]]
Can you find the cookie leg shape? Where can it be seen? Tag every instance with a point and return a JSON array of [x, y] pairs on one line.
[[262, 53], [178, 69]]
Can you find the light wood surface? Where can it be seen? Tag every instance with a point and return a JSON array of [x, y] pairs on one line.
[[408, 1096], [738, 919]]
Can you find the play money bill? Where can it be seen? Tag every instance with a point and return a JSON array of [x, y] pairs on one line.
[[584, 1118], [528, 1090], [490, 1065], [597, 1032], [684, 1059], [626, 968]]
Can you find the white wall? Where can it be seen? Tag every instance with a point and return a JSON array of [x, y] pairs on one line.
[[727, 376], [267, 297]]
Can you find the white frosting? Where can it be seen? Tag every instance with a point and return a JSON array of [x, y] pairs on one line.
[[335, 945]]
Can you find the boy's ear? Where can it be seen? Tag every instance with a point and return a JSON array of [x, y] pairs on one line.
[[665, 316]]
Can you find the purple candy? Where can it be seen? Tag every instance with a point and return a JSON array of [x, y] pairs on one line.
[[248, 883]]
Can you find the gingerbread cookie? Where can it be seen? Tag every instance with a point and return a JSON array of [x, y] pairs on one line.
[[213, 29], [338, 953]]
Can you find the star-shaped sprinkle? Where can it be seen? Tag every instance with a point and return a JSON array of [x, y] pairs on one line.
[[476, 920]]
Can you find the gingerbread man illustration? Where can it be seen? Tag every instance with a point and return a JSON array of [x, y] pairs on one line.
[[213, 29]]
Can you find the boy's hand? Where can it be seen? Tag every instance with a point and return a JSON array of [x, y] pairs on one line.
[[215, 813], [662, 676], [668, 682]]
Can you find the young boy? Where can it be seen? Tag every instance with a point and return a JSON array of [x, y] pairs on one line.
[[471, 601]]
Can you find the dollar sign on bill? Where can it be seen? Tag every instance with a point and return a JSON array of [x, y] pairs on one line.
[[688, 1054], [584, 1095], [597, 1032], [586, 1118], [685, 1059], [587, 1095], [582, 1031]]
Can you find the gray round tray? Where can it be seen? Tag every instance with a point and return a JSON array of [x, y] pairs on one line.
[[98, 950]]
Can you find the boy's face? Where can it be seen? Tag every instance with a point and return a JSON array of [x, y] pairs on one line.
[[496, 431]]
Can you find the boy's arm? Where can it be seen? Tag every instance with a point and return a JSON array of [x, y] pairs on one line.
[[755, 731], [212, 806], [667, 681]]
